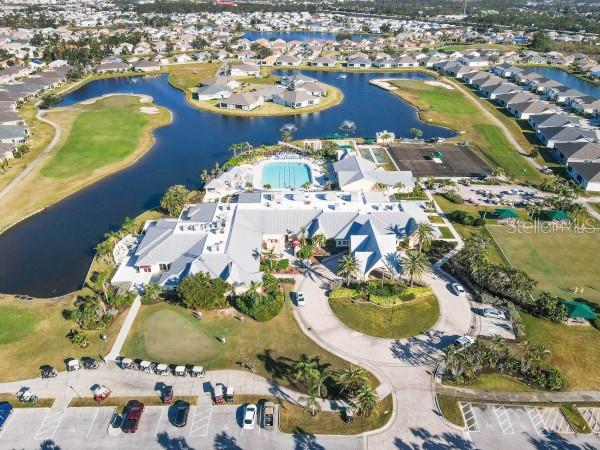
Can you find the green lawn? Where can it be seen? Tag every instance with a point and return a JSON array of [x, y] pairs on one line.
[[575, 350], [450, 409], [404, 320], [451, 108], [186, 76], [559, 261], [496, 382], [102, 133], [446, 233], [16, 323], [170, 334]]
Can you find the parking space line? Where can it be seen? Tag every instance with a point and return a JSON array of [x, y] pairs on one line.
[[8, 421], [469, 417], [50, 424], [162, 411], [504, 419], [92, 424], [536, 420], [201, 422], [592, 417]]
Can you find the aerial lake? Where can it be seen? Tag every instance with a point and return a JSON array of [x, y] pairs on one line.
[[302, 36], [568, 80], [49, 254]]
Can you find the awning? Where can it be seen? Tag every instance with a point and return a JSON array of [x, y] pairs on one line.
[[579, 310], [506, 213]]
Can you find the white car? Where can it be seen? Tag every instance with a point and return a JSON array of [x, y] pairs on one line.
[[464, 341], [249, 417], [300, 299], [458, 289], [494, 313]]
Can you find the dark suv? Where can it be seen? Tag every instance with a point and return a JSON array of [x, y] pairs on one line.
[[132, 416], [182, 410]]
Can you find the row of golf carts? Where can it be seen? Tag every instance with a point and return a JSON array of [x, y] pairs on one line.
[[72, 365], [163, 369]]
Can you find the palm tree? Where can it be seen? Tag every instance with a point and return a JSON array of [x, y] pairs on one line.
[[104, 250], [424, 233], [307, 370], [367, 400], [351, 379], [129, 226], [302, 236], [415, 264], [319, 240], [348, 267], [312, 404], [532, 356], [415, 133]]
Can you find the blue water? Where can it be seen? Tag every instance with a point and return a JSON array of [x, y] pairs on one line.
[[302, 36], [288, 175], [49, 254], [568, 80]]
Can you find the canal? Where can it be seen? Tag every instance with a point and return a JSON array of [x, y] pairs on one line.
[[567, 79], [49, 254]]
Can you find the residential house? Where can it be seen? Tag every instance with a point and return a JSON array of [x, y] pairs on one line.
[[355, 173], [295, 99], [544, 120], [242, 101], [358, 62], [586, 174], [145, 65], [112, 67], [569, 152], [550, 136], [245, 70], [323, 61], [288, 60], [13, 134]]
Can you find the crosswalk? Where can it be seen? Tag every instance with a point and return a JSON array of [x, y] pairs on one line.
[[50, 424]]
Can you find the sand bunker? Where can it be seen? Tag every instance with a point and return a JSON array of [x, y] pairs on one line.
[[145, 99], [149, 110], [437, 83]]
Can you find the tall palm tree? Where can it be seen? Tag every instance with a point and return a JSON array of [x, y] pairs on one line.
[[348, 267], [129, 226], [319, 240], [351, 379], [307, 369], [424, 233], [367, 400], [415, 264]]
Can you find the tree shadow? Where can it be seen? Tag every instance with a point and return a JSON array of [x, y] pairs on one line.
[[305, 441], [49, 444], [444, 441], [224, 441], [175, 443], [280, 368], [423, 350], [555, 441]]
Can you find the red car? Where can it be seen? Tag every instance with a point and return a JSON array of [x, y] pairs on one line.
[[133, 416]]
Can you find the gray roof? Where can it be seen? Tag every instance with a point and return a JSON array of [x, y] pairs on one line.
[[241, 98], [516, 97], [298, 96], [8, 116], [202, 212], [567, 134], [249, 197], [589, 171], [502, 88], [12, 131], [554, 120], [354, 168], [534, 106], [585, 151], [212, 89]]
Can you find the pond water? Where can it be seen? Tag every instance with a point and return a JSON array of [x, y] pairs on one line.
[[568, 80], [302, 36], [49, 254]]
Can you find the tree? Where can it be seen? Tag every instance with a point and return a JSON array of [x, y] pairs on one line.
[[152, 292], [533, 356], [203, 291], [348, 267], [416, 133], [312, 404], [550, 307], [385, 27], [319, 240], [174, 199], [104, 250], [366, 400], [287, 136], [415, 265], [129, 226], [351, 379], [424, 234], [541, 42], [310, 372], [329, 148]]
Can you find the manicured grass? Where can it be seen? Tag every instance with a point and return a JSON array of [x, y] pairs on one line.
[[170, 334], [121, 402], [496, 382], [446, 233], [574, 350], [435, 219], [106, 131], [451, 108], [558, 261], [450, 409], [408, 319], [16, 323], [596, 206], [186, 76], [575, 418], [293, 419], [16, 403], [45, 342]]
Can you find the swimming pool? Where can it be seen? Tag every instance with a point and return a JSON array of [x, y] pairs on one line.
[[285, 175]]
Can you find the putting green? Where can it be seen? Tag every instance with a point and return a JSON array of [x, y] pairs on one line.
[[16, 323]]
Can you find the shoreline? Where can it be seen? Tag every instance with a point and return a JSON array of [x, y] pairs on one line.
[[82, 184]]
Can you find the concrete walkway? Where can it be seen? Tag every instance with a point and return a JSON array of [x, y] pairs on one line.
[[115, 351], [516, 397]]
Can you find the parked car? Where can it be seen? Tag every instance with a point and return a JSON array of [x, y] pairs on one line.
[[182, 409], [133, 416], [299, 298], [458, 289], [5, 411], [494, 313], [464, 341], [249, 416], [269, 415]]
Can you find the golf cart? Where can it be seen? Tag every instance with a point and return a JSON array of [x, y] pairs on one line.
[[73, 365], [127, 363], [147, 366], [229, 394], [49, 372], [26, 395], [219, 394], [179, 371], [197, 372], [90, 363], [101, 393], [162, 369], [348, 413], [167, 395]]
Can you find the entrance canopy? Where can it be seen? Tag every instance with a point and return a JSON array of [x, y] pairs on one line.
[[579, 310]]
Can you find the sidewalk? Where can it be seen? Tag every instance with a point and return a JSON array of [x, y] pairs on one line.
[[516, 397]]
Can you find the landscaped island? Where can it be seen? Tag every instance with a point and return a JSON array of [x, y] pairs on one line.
[[96, 138]]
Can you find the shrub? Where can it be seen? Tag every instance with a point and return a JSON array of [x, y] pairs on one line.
[[261, 308], [453, 197], [385, 289], [202, 291]]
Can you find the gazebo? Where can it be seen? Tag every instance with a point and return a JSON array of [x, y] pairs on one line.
[[558, 215], [579, 310], [506, 213]]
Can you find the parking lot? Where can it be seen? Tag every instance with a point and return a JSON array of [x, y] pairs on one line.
[[492, 326], [522, 427], [207, 427], [454, 160], [501, 194]]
